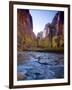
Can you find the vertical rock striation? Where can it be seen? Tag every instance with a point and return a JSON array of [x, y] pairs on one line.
[[25, 35], [53, 33]]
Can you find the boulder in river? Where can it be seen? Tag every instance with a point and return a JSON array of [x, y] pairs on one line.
[[21, 76]]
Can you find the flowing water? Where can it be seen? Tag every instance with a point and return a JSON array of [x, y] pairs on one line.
[[40, 65]]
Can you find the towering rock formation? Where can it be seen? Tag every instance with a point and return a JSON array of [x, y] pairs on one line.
[[49, 32], [57, 25], [58, 22], [40, 35], [25, 35], [53, 32]]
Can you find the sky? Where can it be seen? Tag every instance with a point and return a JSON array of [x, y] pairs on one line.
[[40, 18]]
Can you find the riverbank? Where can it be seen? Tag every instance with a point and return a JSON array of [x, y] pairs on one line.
[[51, 50]]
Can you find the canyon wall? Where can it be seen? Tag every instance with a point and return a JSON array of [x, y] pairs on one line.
[[25, 34], [53, 33], [51, 36]]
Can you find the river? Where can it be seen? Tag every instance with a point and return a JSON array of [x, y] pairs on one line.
[[40, 65]]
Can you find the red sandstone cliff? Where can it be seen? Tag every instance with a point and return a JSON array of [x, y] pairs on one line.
[[25, 35]]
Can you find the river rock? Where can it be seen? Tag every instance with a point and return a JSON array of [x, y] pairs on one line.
[[59, 71], [47, 62], [21, 76]]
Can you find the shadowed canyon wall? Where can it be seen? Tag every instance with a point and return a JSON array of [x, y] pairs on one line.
[[25, 35]]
